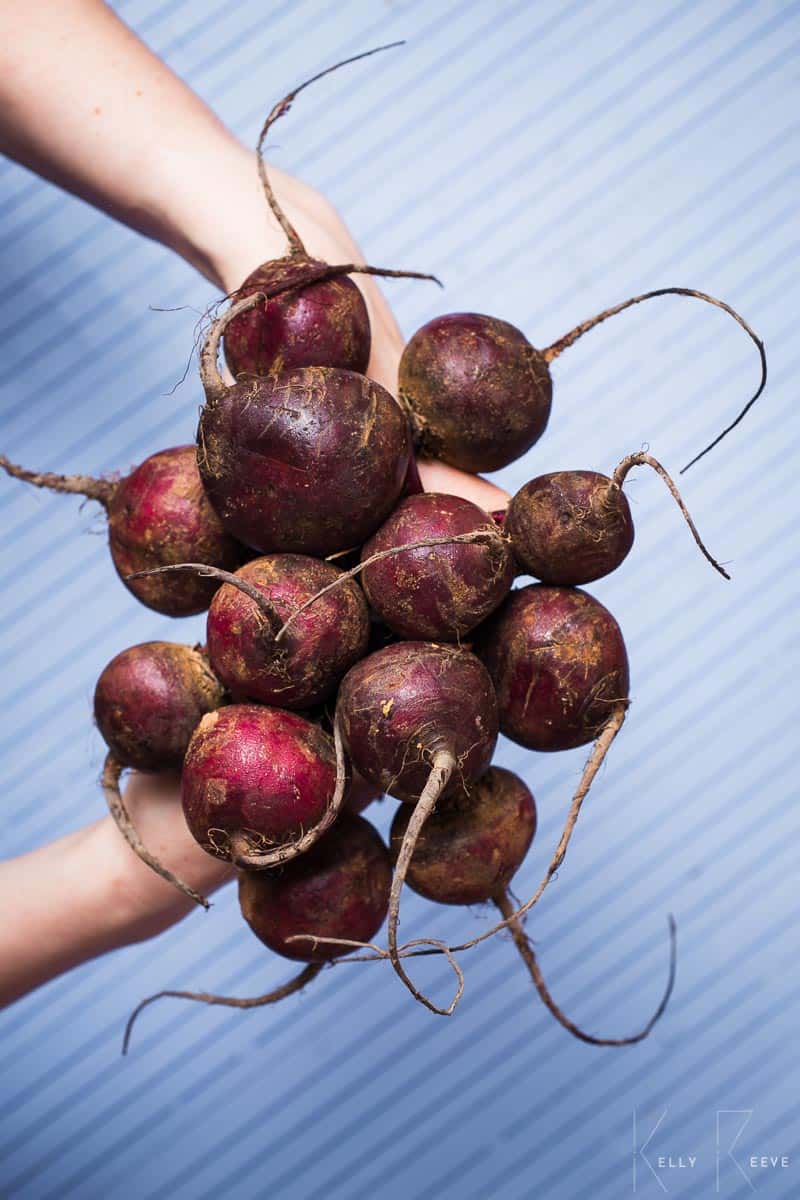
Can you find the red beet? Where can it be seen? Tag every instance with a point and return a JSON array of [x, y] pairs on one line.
[[158, 514], [312, 315], [474, 843], [149, 700], [339, 889], [572, 527], [438, 592], [259, 784], [308, 461], [558, 664], [479, 394], [420, 721]]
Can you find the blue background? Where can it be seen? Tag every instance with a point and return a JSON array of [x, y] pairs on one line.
[[546, 160]]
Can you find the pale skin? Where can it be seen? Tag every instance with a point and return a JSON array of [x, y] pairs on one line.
[[85, 104]]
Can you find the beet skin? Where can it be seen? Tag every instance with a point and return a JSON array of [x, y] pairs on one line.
[[262, 773], [149, 700], [478, 392], [305, 667], [570, 527], [558, 663], [309, 461], [402, 704], [470, 848], [437, 592], [339, 888], [322, 325]]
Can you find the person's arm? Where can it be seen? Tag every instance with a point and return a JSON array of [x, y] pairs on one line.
[[88, 893], [85, 103]]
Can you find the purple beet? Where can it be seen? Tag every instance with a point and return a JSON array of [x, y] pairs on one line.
[[260, 785], [311, 314], [308, 461], [572, 527], [338, 889], [558, 663], [158, 514], [474, 843], [479, 394], [436, 592], [149, 700], [419, 720]]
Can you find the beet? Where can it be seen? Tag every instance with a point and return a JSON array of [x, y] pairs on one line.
[[419, 720], [558, 663], [149, 700], [339, 889], [260, 785], [438, 592], [308, 461], [340, 886], [158, 514], [571, 527], [479, 394], [474, 843], [311, 314]]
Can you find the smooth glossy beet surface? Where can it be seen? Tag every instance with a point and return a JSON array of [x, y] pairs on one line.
[[402, 703], [558, 663], [149, 701], [305, 667], [570, 527], [260, 772], [309, 461], [324, 325], [338, 888], [473, 844], [160, 515], [478, 391], [437, 592]]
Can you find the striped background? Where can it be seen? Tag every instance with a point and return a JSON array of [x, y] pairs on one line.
[[546, 159]]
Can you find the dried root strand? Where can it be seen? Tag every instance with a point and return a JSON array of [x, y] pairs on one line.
[[243, 857], [210, 377], [643, 459], [280, 993], [266, 609], [563, 343], [100, 490], [523, 944], [486, 536], [279, 110], [112, 770]]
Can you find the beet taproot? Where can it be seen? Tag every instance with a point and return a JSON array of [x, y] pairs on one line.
[[147, 704], [309, 461], [572, 527], [558, 663], [312, 314], [260, 785], [479, 394], [419, 720], [436, 592], [158, 514]]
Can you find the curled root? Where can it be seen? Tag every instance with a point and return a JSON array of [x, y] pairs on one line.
[[241, 855], [522, 942], [563, 343], [213, 383], [280, 993], [112, 771], [259, 599], [487, 536], [642, 459]]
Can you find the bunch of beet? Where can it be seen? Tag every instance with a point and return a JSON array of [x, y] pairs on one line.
[[318, 688]]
